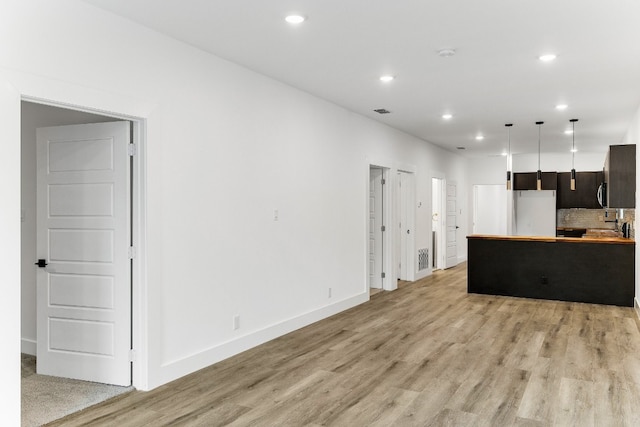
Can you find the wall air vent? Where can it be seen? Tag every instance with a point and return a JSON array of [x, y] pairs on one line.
[[423, 259], [461, 148], [382, 111]]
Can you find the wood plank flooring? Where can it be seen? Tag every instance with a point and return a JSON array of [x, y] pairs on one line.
[[428, 354]]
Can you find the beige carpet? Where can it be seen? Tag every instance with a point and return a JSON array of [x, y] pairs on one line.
[[45, 398]]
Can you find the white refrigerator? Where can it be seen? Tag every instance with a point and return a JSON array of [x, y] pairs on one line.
[[535, 213]]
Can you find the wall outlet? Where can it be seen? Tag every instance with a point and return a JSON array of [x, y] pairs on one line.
[[329, 292], [236, 322]]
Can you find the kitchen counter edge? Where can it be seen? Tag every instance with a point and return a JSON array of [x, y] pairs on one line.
[[602, 240]]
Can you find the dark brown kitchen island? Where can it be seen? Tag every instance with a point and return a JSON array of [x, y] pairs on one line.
[[592, 270]]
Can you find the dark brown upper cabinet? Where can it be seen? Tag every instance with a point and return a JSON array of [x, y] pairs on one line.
[[527, 181], [585, 194], [620, 176]]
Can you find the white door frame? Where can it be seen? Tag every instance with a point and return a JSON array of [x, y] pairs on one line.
[[138, 230], [377, 227], [442, 221]]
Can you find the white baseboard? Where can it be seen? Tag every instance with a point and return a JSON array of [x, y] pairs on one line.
[[28, 346], [636, 306], [178, 368], [423, 273]]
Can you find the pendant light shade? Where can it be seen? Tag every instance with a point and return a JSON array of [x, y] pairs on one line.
[[508, 126], [573, 155], [539, 173]]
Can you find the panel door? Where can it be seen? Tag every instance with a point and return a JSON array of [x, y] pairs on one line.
[[84, 293], [452, 227]]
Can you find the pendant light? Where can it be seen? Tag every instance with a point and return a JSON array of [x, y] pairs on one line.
[[539, 173], [573, 155], [508, 126]]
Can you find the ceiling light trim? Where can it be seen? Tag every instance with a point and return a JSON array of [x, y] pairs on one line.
[[446, 52], [548, 57], [295, 19]]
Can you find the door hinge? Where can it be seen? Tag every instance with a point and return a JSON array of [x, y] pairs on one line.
[[383, 181], [131, 252], [383, 228], [383, 275], [132, 149], [132, 355]]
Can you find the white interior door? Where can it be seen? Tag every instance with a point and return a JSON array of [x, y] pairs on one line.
[[83, 228], [376, 223], [404, 247], [452, 227]]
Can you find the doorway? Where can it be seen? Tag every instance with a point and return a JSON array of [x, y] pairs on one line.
[[36, 115], [379, 241], [376, 229], [489, 213]]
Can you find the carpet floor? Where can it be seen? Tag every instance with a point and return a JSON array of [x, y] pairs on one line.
[[45, 398]]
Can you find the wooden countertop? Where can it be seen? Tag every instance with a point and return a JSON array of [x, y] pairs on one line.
[[604, 240]]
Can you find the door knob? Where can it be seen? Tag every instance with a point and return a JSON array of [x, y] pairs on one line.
[[42, 263]]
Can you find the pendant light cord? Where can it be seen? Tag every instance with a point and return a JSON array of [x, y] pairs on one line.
[[573, 144], [508, 126], [539, 123], [509, 152]]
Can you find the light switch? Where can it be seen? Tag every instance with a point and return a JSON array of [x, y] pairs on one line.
[[275, 214]]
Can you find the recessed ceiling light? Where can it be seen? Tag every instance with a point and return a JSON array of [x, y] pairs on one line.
[[547, 57], [504, 153], [561, 107], [445, 53], [295, 19], [568, 132], [574, 150], [386, 78], [447, 116], [479, 138]]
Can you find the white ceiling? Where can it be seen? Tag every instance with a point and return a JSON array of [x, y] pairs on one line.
[[343, 47]]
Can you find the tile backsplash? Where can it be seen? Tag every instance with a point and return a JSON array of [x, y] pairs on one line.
[[595, 218]]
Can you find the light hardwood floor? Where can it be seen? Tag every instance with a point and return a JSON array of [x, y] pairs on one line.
[[428, 354]]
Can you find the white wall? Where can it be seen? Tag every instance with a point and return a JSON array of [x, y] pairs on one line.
[[486, 171], [10, 254], [224, 148], [34, 116], [559, 162]]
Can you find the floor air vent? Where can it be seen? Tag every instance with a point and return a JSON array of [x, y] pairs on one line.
[[423, 259]]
